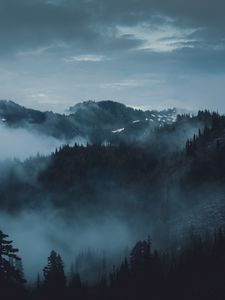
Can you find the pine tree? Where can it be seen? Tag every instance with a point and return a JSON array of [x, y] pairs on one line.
[[10, 263], [54, 277], [140, 255]]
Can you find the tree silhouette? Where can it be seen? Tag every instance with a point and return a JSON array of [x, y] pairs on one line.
[[54, 277], [11, 272], [10, 268]]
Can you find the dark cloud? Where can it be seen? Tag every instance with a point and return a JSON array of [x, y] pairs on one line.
[[66, 49], [33, 23], [27, 24]]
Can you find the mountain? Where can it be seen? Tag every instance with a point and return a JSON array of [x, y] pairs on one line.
[[107, 118], [97, 122], [49, 123], [116, 114], [162, 183], [147, 154], [165, 180]]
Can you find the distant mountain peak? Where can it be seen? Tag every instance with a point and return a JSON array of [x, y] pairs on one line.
[[92, 104], [9, 103], [95, 120]]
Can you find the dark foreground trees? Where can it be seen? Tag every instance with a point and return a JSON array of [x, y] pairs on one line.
[[11, 272], [54, 277], [194, 270]]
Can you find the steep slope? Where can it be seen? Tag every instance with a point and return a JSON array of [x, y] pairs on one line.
[[56, 125], [97, 122], [109, 121], [155, 187], [111, 114]]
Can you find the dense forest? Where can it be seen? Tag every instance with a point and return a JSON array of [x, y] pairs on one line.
[[167, 182], [195, 270]]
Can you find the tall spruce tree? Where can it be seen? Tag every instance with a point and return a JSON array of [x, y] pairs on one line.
[[9, 262], [54, 276]]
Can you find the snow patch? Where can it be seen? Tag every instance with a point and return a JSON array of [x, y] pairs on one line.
[[118, 130]]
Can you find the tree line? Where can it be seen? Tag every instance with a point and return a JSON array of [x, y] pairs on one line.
[[192, 269]]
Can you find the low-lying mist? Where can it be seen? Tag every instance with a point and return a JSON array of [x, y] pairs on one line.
[[37, 233], [22, 143], [107, 197]]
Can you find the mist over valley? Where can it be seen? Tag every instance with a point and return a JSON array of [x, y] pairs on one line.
[[94, 187]]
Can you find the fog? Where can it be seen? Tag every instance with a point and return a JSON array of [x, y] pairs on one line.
[[100, 212], [37, 233], [110, 228], [22, 143]]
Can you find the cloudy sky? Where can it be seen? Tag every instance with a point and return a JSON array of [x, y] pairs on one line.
[[144, 53]]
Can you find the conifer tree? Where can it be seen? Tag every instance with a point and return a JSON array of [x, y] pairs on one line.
[[10, 263], [54, 277]]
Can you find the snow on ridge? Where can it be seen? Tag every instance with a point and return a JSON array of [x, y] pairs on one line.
[[136, 121], [118, 130]]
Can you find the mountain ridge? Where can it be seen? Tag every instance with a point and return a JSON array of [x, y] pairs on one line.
[[96, 121]]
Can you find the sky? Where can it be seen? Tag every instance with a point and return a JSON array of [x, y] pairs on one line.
[[149, 54]]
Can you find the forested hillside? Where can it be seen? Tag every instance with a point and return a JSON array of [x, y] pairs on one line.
[[113, 194]]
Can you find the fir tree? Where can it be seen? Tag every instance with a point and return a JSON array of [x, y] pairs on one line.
[[10, 263], [54, 277]]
